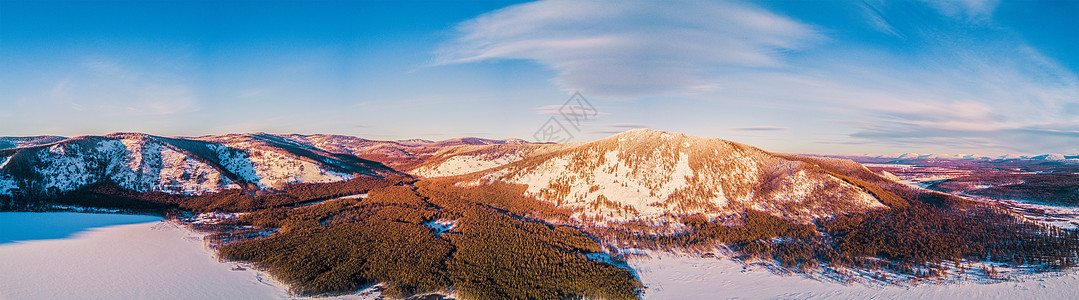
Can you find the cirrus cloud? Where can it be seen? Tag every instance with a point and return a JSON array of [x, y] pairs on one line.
[[631, 47]]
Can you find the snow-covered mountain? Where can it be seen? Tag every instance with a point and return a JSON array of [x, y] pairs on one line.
[[7, 142], [636, 174], [402, 154], [647, 173], [175, 165]]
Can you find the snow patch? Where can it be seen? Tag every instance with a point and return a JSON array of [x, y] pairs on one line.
[[442, 225], [275, 169], [236, 161], [7, 185], [465, 164]]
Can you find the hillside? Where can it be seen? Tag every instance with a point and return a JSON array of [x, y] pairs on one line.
[[8, 142], [648, 173], [146, 163], [460, 160], [401, 155]]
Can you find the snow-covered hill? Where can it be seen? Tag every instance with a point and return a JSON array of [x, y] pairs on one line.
[[460, 160], [7, 142], [174, 165], [636, 174], [402, 154], [648, 173]]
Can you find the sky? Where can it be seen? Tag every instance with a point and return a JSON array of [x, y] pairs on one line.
[[828, 77]]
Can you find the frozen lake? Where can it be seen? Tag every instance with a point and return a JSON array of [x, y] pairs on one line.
[[113, 256]]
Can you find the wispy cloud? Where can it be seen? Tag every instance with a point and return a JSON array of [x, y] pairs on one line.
[[107, 86], [631, 47], [760, 128], [559, 109], [620, 125], [876, 18], [968, 10]]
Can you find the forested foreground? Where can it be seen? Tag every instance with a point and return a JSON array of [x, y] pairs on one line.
[[491, 252]]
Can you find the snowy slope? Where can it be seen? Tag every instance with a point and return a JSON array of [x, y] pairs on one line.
[[8, 142], [173, 165], [460, 160], [274, 160], [647, 173], [402, 154]]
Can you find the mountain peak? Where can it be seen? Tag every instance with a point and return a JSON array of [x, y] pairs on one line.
[[647, 173]]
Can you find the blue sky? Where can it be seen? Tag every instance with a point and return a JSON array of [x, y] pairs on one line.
[[839, 77]]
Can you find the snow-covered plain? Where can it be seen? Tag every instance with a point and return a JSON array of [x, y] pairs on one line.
[[667, 276]]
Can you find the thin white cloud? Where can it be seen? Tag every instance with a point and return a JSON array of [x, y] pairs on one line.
[[631, 47], [621, 125], [969, 10], [876, 19], [760, 128], [248, 93], [106, 86], [559, 109]]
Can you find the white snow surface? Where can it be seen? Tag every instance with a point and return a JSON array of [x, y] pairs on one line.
[[670, 276], [154, 260], [151, 260]]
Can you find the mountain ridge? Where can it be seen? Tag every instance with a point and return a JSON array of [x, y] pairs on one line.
[[648, 173], [143, 163]]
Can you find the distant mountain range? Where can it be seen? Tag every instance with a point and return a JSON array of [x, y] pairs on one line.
[[649, 173], [199, 165], [913, 156], [635, 174]]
